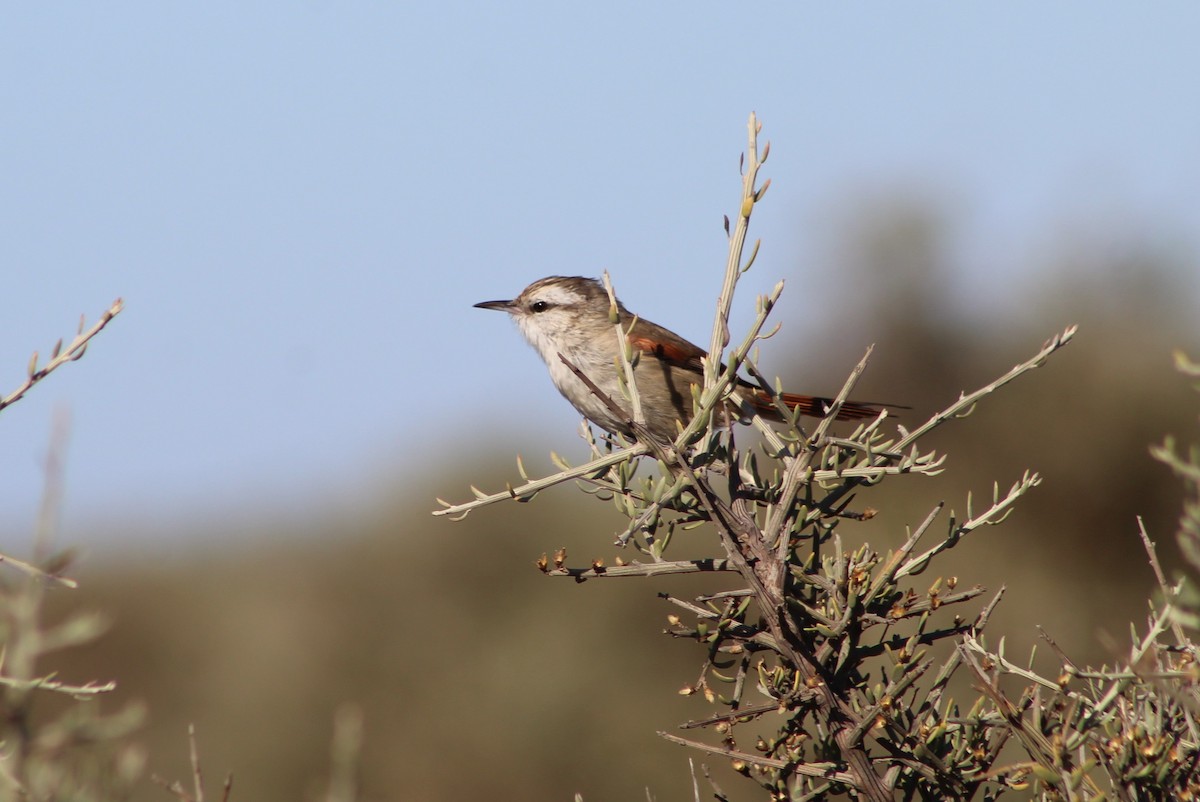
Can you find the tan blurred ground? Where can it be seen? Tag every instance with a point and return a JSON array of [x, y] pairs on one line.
[[482, 679]]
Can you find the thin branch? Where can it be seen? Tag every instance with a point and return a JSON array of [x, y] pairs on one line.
[[825, 771], [458, 511], [962, 407], [625, 349], [968, 400], [194, 752], [782, 512], [61, 356], [971, 644], [51, 684], [888, 574], [33, 570], [1158, 625], [175, 788], [992, 515], [704, 566], [1170, 592], [733, 266]]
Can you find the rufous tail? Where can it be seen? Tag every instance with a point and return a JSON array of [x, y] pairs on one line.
[[816, 407]]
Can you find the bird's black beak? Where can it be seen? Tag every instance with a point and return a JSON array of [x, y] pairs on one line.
[[503, 306]]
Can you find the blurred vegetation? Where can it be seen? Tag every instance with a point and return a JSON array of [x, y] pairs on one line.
[[478, 678], [1085, 424]]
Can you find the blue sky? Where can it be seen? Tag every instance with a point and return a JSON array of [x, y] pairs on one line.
[[300, 202]]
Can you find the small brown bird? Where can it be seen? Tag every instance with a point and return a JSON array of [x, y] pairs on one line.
[[569, 315]]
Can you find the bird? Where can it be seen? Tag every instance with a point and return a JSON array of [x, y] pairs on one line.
[[570, 315]]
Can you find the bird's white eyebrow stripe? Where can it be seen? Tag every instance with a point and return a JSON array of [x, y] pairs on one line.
[[559, 296]]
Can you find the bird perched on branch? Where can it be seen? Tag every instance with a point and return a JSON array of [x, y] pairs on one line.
[[569, 315]]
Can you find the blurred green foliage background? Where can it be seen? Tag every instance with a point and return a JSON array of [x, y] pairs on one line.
[[480, 678]]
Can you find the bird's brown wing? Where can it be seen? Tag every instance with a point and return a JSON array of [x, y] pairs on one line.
[[654, 340]]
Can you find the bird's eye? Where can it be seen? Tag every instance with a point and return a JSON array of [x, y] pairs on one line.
[[539, 306]]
